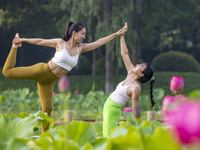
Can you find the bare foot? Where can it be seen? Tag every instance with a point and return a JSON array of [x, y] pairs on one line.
[[16, 45]]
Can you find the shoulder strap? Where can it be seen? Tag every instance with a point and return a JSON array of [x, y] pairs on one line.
[[135, 85], [129, 85]]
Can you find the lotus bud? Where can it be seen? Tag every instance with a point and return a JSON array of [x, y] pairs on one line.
[[177, 84], [63, 84]]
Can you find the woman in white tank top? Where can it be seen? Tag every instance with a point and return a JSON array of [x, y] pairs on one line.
[[128, 89], [68, 48]]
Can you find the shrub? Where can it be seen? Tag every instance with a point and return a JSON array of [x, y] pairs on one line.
[[175, 61]]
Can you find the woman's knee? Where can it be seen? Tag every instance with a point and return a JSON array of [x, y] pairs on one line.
[[7, 73]]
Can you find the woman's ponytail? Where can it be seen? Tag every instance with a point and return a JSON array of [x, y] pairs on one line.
[[67, 34], [151, 92]]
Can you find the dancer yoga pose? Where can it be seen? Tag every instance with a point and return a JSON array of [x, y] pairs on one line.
[[68, 48], [126, 90]]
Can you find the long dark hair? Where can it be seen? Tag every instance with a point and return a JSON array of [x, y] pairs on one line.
[[148, 75], [70, 27]]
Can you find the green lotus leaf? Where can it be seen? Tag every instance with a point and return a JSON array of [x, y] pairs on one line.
[[160, 140], [12, 128], [81, 132]]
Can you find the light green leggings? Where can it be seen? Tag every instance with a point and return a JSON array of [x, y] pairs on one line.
[[40, 73], [111, 116]]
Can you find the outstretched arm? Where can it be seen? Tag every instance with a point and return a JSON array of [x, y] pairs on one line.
[[125, 55], [135, 98], [102, 41], [37, 41]]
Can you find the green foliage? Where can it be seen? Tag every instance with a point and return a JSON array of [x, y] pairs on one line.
[[91, 96], [98, 126], [169, 39], [16, 130], [81, 132], [121, 138], [13, 129], [27, 17], [154, 26], [85, 83], [158, 95], [81, 135], [91, 104], [50, 140], [42, 118], [175, 61], [166, 26], [60, 101], [23, 99], [74, 136], [17, 100], [194, 94]]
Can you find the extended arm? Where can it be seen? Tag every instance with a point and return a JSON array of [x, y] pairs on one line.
[[135, 99], [125, 55], [38, 41], [98, 43], [102, 41]]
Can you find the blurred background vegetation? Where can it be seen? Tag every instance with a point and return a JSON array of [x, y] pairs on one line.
[[163, 33]]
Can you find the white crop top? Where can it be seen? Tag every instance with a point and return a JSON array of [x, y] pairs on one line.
[[64, 60], [120, 94]]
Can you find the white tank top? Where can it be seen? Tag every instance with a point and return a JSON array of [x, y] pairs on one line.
[[64, 60], [120, 94]]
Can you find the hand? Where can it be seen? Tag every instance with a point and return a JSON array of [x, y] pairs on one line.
[[17, 41], [123, 30]]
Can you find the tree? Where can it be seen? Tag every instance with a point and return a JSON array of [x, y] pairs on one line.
[[30, 19], [168, 25], [109, 62]]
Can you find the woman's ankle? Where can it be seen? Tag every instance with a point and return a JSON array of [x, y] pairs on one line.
[[16, 45]]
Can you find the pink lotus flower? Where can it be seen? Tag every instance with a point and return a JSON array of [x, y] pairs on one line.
[[186, 121], [177, 84], [54, 93], [76, 92], [63, 84], [180, 98], [170, 102], [127, 109], [167, 104]]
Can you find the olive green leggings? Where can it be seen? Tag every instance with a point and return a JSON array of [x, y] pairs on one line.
[[39, 72], [111, 116]]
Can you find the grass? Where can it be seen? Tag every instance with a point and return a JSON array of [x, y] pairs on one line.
[[85, 83]]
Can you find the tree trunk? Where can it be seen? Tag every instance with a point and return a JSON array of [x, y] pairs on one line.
[[93, 24], [136, 23], [108, 63], [109, 70], [93, 63]]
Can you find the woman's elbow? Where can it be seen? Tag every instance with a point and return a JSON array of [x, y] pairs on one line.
[[123, 53]]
